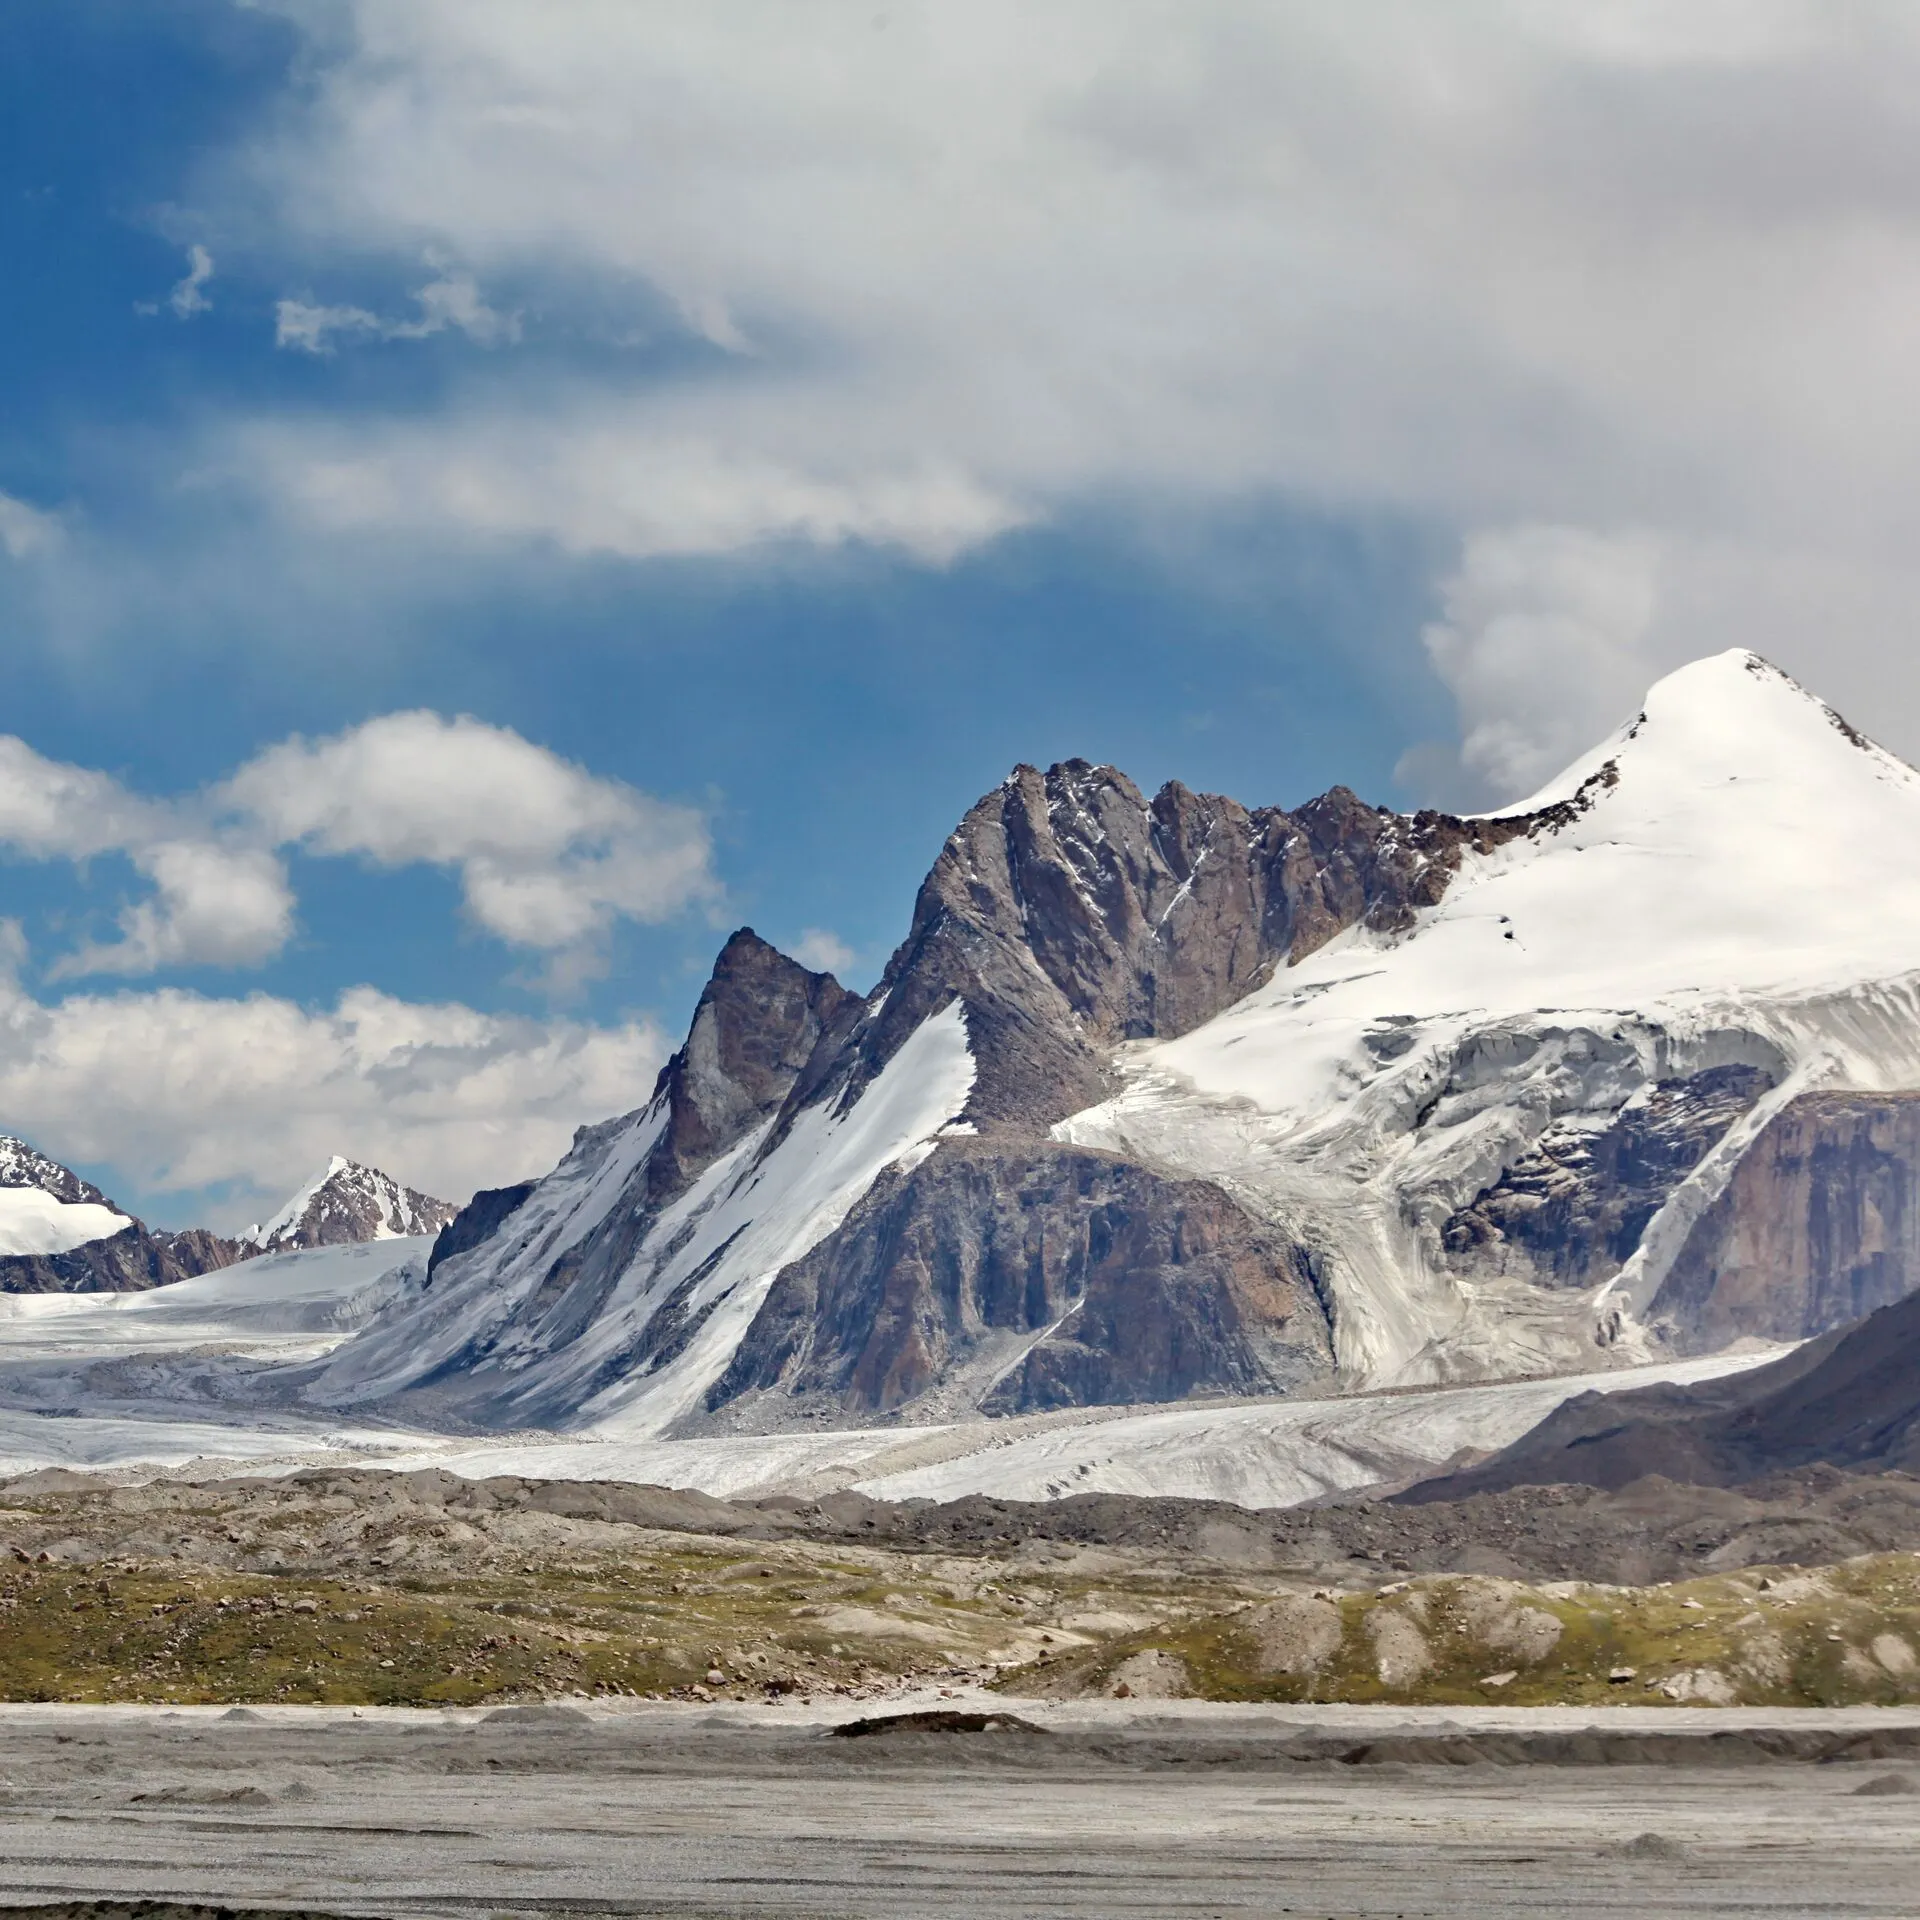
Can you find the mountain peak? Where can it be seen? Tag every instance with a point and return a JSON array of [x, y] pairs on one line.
[[347, 1203], [1722, 718]]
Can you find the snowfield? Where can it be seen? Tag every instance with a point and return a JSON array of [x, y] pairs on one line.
[[35, 1222], [280, 1306]]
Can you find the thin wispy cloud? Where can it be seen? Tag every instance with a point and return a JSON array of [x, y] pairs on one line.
[[189, 294], [451, 300]]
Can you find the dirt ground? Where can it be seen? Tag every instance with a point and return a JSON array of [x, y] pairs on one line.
[[1103, 1809]]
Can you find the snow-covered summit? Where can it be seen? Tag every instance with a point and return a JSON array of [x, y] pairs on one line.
[[344, 1203], [46, 1208], [1730, 885], [1738, 837]]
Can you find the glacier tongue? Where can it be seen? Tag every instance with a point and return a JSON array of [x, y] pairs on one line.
[[1729, 881]]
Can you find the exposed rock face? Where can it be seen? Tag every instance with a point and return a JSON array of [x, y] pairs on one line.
[[1569, 1211], [759, 1020], [127, 1260], [1819, 1225], [1070, 913], [1138, 1288], [476, 1220], [346, 1205]]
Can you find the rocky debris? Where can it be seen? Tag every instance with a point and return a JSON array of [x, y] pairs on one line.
[[1849, 1399], [1884, 1786], [933, 1720], [1570, 1210], [1152, 1674], [1294, 1634], [1495, 1614], [1698, 1686], [1055, 1276], [345, 1206], [1400, 1652], [1819, 1225], [1893, 1652]]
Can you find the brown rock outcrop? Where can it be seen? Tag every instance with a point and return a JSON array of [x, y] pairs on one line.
[[1819, 1225], [1142, 1289]]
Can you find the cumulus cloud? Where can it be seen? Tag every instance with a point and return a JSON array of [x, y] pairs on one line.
[[549, 855], [823, 951], [188, 296], [1544, 647], [181, 1093], [212, 905], [1492, 263]]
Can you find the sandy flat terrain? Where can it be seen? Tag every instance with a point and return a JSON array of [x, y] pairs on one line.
[[1181, 1810]]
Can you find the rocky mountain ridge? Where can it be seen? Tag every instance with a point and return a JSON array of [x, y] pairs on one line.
[[61, 1234], [346, 1204], [1171, 1097]]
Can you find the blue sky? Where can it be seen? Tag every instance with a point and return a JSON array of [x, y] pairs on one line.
[[769, 429]]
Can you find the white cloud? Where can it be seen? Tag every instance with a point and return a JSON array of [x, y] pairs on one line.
[[179, 1092], [298, 323], [549, 855], [1497, 262], [823, 951], [213, 905], [26, 530], [612, 485], [451, 299], [188, 297], [1544, 647]]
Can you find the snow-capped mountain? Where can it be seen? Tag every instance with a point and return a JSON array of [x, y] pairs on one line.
[[345, 1203], [1172, 1097], [61, 1234]]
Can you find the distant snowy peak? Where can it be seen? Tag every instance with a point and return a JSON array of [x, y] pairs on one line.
[[46, 1208], [24, 1165], [347, 1203]]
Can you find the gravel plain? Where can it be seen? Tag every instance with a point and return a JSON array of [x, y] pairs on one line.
[[1103, 1808]]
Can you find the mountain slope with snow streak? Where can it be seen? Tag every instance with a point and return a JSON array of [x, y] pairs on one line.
[[672, 1308], [1732, 882]]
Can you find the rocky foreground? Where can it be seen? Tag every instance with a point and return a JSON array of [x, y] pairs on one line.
[[353, 1588]]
